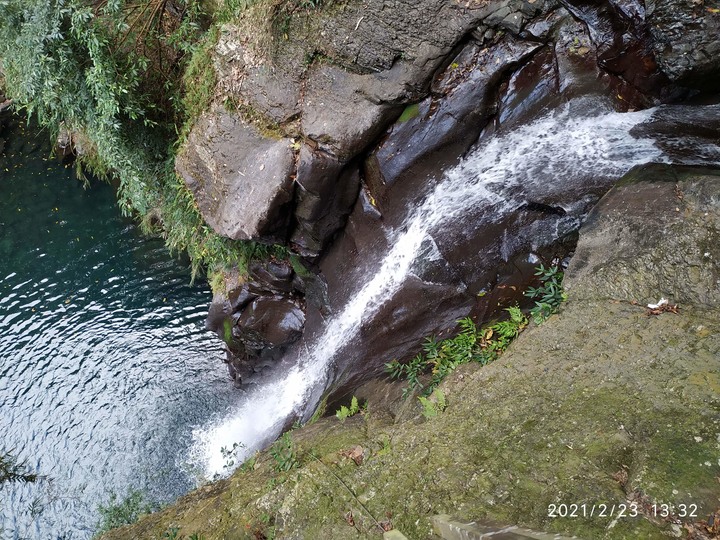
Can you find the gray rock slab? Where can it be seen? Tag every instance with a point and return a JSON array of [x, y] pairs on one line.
[[239, 178], [338, 114], [620, 257], [254, 80]]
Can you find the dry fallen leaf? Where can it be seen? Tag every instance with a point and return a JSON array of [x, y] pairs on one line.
[[356, 453]]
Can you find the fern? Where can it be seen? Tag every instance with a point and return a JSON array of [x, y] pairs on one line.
[[441, 357], [549, 295]]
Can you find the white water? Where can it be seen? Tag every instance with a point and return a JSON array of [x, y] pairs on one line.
[[541, 158]]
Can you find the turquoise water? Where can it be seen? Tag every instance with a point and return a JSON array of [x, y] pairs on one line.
[[105, 366]]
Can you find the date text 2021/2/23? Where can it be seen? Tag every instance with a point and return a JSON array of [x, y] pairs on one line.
[[621, 510]]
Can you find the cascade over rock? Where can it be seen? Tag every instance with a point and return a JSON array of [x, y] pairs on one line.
[[341, 120], [603, 402]]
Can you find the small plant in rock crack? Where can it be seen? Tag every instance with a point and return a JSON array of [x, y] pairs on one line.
[[549, 295], [283, 454], [344, 412], [433, 405]]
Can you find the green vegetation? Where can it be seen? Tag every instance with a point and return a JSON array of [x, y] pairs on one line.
[[283, 454], [433, 405], [410, 112], [441, 357], [344, 412], [128, 79], [549, 295], [320, 411], [173, 533], [249, 464], [117, 513], [230, 455], [13, 471]]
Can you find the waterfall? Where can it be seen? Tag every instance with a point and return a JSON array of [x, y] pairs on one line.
[[575, 145]]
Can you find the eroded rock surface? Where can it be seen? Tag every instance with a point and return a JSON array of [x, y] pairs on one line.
[[647, 240]]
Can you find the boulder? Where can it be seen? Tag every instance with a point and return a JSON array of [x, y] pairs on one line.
[[325, 194], [270, 323], [338, 114], [241, 179], [678, 258], [686, 41]]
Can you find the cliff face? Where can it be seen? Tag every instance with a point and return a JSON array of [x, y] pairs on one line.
[[606, 403], [348, 113], [327, 126]]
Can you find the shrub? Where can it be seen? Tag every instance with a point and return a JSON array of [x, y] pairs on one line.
[[434, 404], [127, 511], [112, 72], [283, 454]]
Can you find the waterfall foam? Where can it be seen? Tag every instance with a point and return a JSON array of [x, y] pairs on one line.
[[577, 143]]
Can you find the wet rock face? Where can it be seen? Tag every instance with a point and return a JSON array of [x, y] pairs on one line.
[[259, 317], [326, 191], [619, 34], [356, 113], [382, 58], [686, 40], [240, 179], [269, 322], [444, 125]]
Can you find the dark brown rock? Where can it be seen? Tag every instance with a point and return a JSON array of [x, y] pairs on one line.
[[270, 323], [445, 124], [320, 216], [687, 40], [621, 41]]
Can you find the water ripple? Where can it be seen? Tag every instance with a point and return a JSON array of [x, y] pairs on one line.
[[105, 366]]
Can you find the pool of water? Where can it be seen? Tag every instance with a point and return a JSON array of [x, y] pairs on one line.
[[105, 366]]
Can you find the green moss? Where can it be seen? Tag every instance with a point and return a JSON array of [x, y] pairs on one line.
[[410, 112], [300, 268]]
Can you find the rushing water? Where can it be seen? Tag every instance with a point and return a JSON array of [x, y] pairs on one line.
[[575, 150], [105, 366]]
